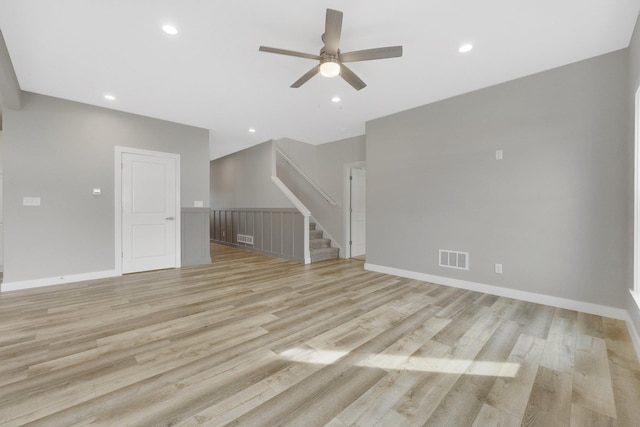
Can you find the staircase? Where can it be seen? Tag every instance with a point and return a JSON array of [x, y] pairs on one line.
[[320, 247]]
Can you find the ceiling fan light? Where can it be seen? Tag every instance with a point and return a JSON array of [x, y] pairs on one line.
[[329, 69], [170, 29]]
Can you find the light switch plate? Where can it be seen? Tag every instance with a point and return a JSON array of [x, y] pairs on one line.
[[31, 201]]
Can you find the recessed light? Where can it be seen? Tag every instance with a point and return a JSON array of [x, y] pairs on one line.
[[252, 130], [335, 99], [170, 29], [465, 48], [110, 97]]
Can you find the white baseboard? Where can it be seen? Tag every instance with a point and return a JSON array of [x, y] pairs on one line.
[[635, 337], [585, 307], [49, 281]]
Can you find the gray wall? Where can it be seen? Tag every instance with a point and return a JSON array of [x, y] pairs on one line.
[[634, 60], [325, 165], [1, 149], [275, 232], [634, 80], [194, 236], [243, 180], [1, 207], [552, 212], [59, 150]]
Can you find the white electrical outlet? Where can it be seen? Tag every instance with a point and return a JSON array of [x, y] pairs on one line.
[[31, 201], [498, 268], [498, 154], [198, 204]]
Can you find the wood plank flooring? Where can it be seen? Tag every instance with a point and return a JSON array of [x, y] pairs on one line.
[[252, 340]]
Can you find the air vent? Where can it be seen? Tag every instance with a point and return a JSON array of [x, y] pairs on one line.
[[243, 238], [454, 259]]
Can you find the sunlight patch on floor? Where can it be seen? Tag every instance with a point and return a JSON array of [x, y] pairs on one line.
[[408, 363]]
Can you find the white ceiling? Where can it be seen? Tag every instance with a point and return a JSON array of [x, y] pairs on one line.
[[212, 75]]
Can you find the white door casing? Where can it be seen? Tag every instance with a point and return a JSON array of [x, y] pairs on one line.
[[149, 211], [358, 212]]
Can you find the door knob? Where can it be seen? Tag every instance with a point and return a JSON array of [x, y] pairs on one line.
[[170, 218]]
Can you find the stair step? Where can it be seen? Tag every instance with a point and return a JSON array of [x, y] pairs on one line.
[[319, 243], [315, 234], [319, 247], [324, 254]]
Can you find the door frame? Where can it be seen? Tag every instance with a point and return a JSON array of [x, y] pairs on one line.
[[635, 290], [119, 151], [347, 203]]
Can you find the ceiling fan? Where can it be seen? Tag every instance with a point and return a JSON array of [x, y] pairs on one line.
[[331, 59]]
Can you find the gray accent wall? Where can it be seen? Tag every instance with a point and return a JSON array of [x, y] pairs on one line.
[[59, 151], [553, 212], [194, 236], [275, 232], [243, 180]]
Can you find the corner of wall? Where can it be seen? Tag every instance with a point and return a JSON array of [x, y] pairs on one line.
[[633, 320]]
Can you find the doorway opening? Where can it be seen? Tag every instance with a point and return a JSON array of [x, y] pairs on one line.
[[355, 210]]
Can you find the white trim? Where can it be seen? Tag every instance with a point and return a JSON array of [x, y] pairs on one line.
[[302, 209], [49, 281], [307, 250], [636, 297], [274, 167], [289, 195], [346, 203], [585, 307], [636, 212], [635, 336], [119, 151], [117, 190], [294, 201]]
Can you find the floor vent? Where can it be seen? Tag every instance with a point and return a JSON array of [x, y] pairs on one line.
[[243, 238], [454, 259]]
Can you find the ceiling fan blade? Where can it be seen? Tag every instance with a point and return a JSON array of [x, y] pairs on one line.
[[302, 80], [332, 31], [351, 78], [369, 54], [288, 52]]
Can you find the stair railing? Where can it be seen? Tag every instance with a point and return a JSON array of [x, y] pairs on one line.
[[294, 200], [301, 173]]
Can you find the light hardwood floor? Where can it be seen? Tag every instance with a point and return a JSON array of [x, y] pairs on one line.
[[252, 340]]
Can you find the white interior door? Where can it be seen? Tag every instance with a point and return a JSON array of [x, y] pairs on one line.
[[148, 212], [358, 217]]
